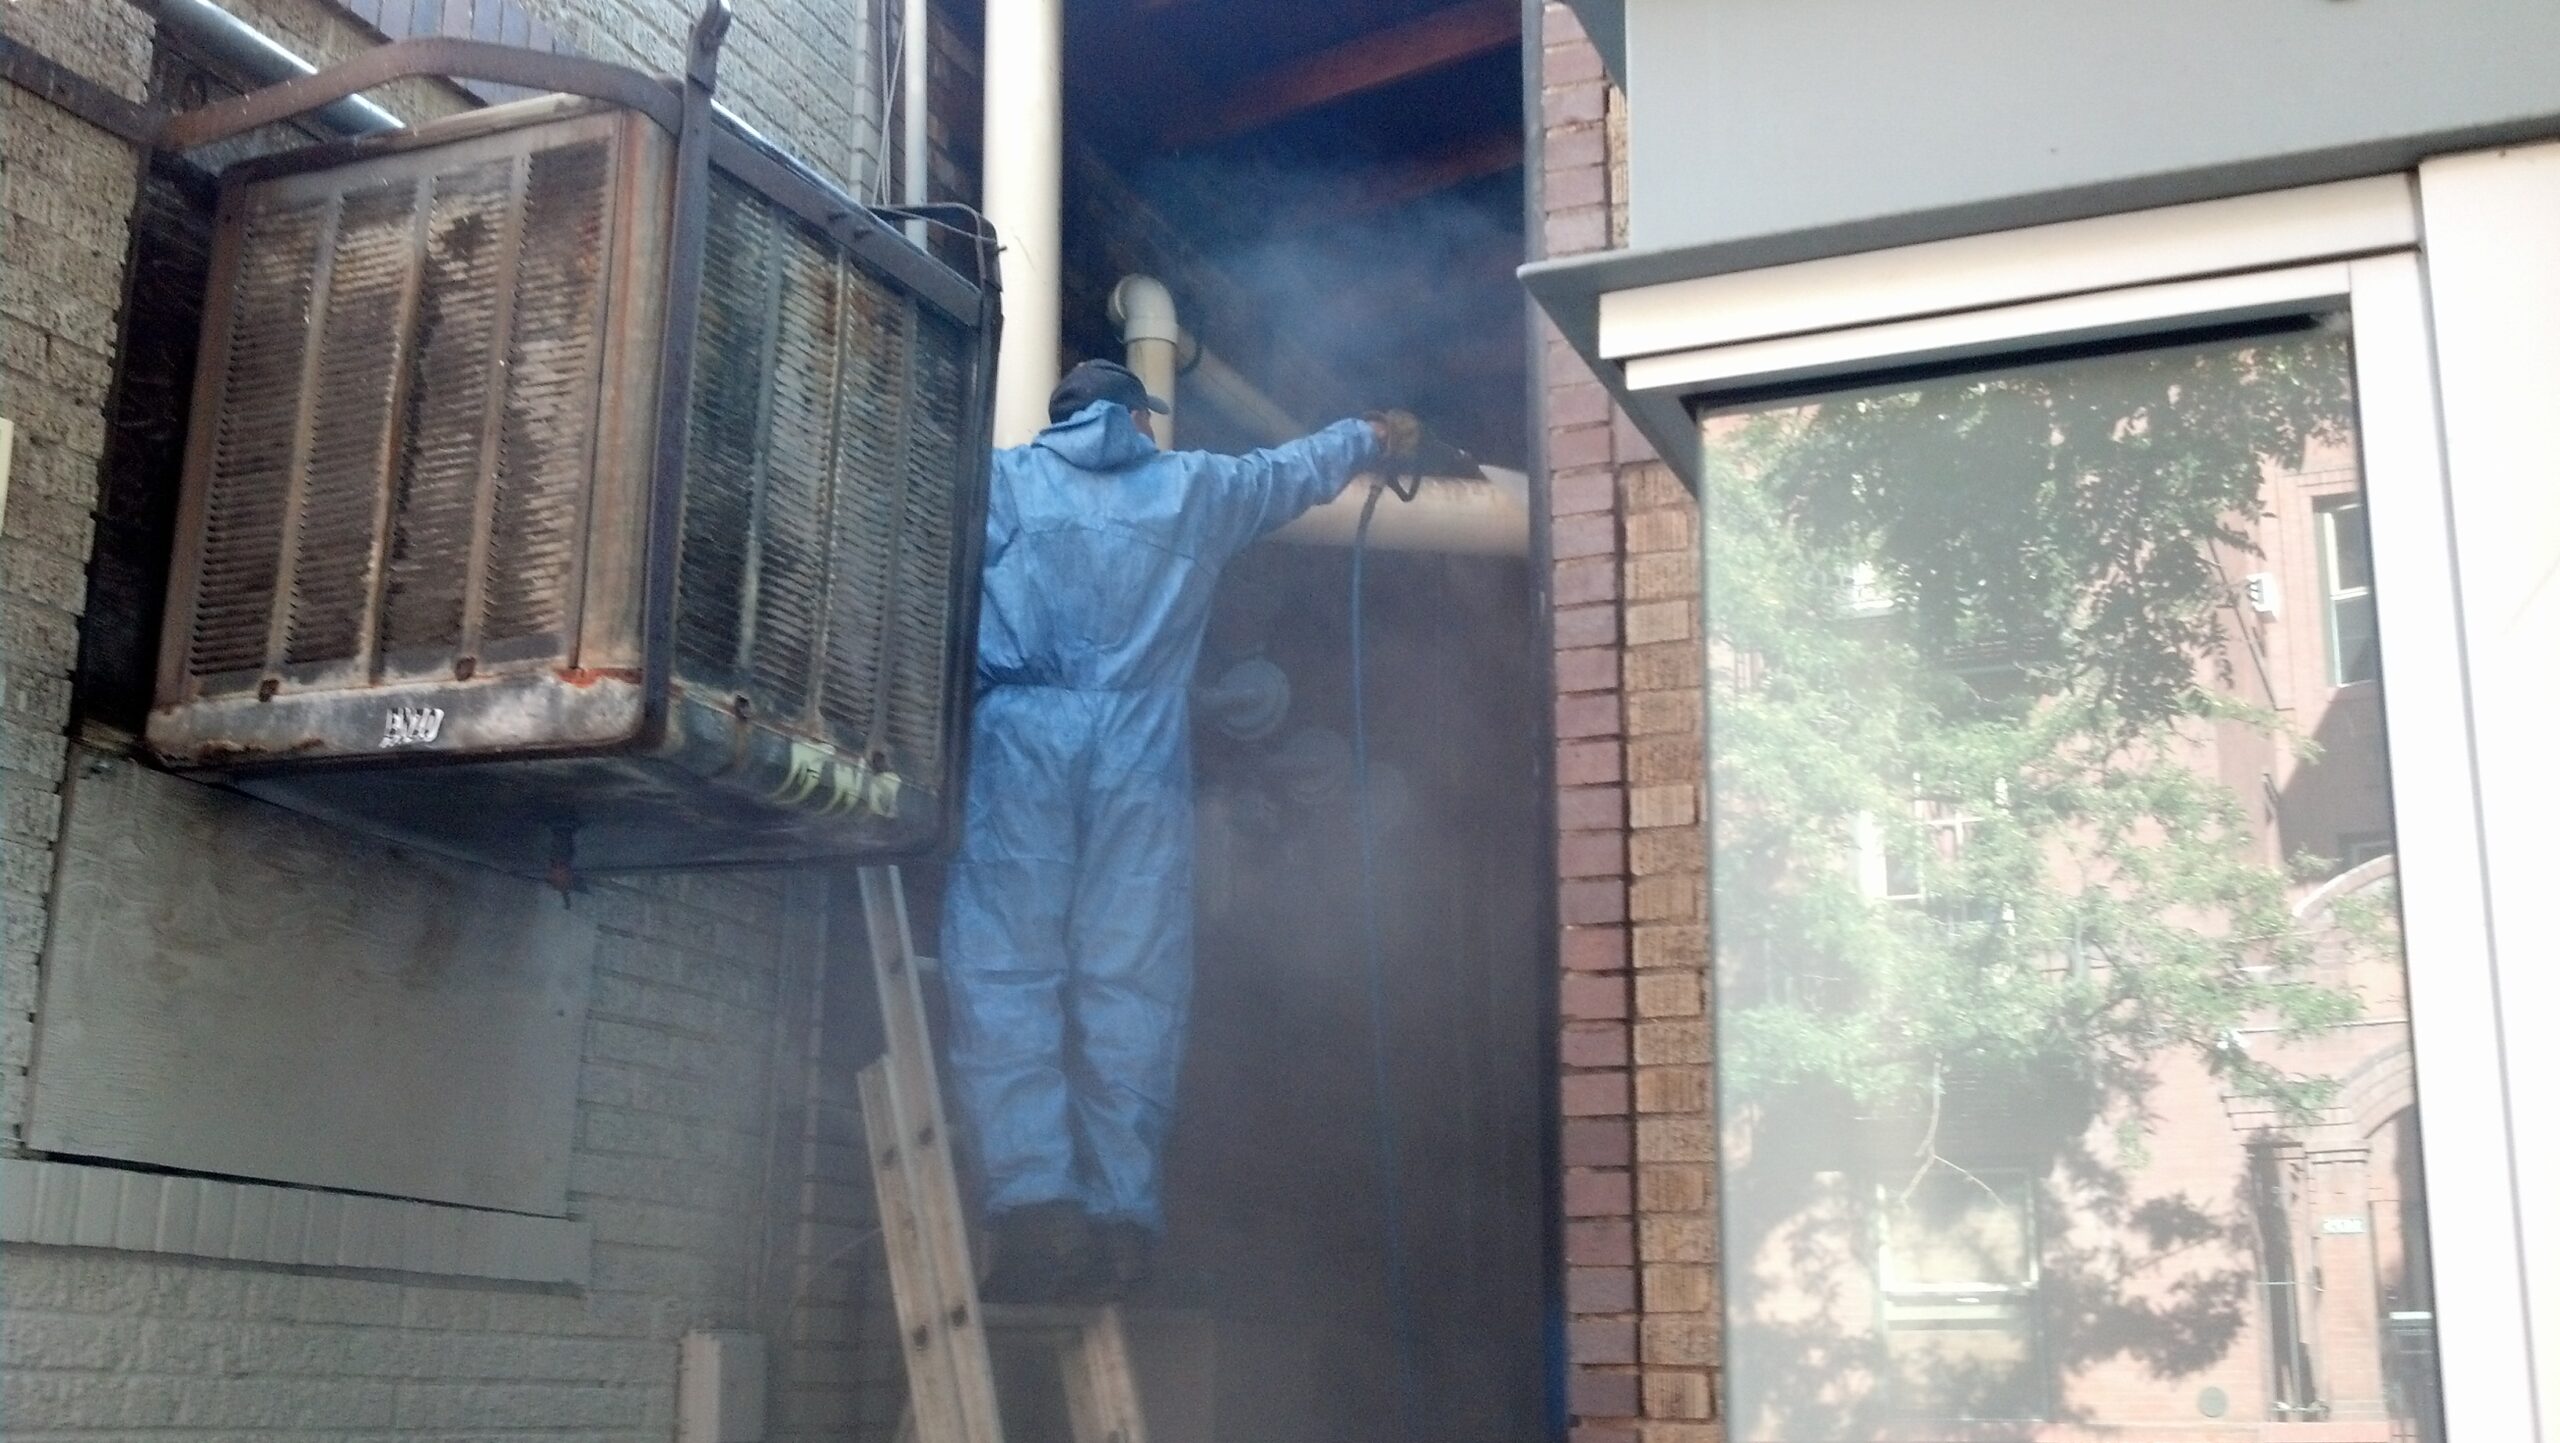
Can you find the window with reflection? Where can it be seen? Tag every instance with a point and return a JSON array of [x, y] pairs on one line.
[[2063, 1046]]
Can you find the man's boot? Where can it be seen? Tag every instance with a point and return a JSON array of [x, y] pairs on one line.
[[1038, 1252], [1125, 1255]]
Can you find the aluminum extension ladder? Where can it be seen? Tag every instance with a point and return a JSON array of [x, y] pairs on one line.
[[951, 1387]]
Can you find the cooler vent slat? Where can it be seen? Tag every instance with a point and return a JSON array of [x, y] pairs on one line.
[[918, 696], [869, 416], [791, 573]]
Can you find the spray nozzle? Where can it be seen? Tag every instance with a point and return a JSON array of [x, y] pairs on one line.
[[1428, 457]]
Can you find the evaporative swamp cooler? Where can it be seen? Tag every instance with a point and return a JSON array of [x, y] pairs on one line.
[[436, 575]]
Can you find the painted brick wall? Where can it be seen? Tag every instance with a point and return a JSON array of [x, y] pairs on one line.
[[69, 191], [805, 72], [713, 1155], [678, 1164], [1640, 1283]]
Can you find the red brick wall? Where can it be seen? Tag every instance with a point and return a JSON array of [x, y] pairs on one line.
[[1640, 1282]]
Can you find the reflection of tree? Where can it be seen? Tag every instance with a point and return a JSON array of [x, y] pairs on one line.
[[1968, 637], [2054, 620]]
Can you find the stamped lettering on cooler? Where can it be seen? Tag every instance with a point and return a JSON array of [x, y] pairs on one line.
[[411, 726]]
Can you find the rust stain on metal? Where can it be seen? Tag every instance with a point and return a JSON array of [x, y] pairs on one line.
[[227, 753], [583, 677]]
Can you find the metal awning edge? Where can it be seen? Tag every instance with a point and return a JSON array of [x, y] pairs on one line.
[[1569, 292]]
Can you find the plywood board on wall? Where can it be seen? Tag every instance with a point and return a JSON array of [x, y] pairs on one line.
[[236, 990]]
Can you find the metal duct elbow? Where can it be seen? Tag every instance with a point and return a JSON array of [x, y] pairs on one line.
[[1143, 310], [1152, 335]]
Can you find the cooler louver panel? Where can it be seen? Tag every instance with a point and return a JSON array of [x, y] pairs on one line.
[[427, 515], [257, 409], [441, 450], [385, 327], [917, 695], [332, 563], [739, 278], [547, 431], [829, 414]]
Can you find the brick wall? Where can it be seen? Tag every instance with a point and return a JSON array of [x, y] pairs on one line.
[[714, 1154], [1637, 1130]]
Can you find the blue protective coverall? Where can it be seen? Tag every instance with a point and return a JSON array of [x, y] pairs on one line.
[[1066, 931]]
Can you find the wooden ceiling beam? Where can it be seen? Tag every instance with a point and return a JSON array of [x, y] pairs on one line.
[[1471, 158], [1369, 62]]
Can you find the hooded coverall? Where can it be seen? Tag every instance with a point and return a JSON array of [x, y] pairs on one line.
[[1066, 932]]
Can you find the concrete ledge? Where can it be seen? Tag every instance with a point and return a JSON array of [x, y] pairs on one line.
[[80, 1205]]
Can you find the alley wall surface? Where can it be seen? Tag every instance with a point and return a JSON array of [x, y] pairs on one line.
[[1638, 1132]]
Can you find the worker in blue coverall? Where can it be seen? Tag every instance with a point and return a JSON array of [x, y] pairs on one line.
[[1066, 931]]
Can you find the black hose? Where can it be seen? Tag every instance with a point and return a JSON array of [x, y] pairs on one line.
[[1399, 1278]]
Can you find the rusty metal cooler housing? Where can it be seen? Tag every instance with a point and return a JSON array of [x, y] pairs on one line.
[[546, 503]]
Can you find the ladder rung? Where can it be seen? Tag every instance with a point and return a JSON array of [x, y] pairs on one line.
[[1044, 1317]]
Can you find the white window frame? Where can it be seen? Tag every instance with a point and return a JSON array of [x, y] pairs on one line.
[[2354, 245], [1898, 1300]]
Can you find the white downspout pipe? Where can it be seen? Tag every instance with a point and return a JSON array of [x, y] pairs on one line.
[[1241, 401], [1144, 310], [1482, 518], [916, 186], [1025, 117]]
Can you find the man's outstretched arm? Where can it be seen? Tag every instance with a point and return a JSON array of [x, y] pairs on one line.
[[1252, 495]]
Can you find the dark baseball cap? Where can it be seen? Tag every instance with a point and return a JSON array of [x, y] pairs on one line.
[[1093, 381]]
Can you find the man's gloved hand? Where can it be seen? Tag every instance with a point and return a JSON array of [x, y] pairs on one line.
[[1398, 432]]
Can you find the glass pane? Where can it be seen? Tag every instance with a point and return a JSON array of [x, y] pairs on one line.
[[2062, 1033], [2351, 629], [2350, 558]]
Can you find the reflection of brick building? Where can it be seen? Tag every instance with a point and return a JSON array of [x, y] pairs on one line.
[[2237, 1274]]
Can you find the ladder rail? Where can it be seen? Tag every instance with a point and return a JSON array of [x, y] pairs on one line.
[[951, 1389], [950, 1375]]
